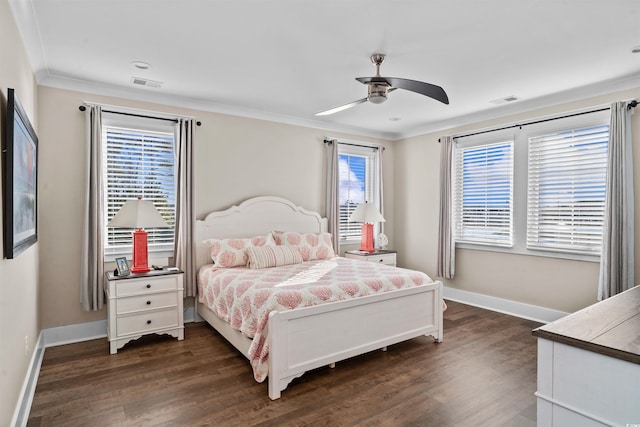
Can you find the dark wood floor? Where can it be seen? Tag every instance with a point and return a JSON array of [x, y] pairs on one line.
[[483, 374]]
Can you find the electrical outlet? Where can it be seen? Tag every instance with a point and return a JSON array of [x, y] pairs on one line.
[[26, 345]]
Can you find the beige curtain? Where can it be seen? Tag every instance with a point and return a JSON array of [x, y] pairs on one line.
[[446, 243], [184, 248], [617, 258], [92, 258], [380, 189], [332, 201]]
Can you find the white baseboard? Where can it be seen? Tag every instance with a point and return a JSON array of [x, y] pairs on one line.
[[23, 406], [74, 333], [513, 308]]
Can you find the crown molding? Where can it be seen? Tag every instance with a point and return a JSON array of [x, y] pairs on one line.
[[628, 82]]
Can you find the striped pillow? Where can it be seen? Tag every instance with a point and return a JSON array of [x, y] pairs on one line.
[[272, 256]]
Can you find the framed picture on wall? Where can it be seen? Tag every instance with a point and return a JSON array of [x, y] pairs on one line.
[[21, 180]]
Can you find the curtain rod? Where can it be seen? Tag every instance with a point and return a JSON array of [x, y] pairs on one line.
[[330, 141], [83, 108], [631, 105]]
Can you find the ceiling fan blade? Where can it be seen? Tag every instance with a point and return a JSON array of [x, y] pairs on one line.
[[432, 91], [341, 108], [427, 89]]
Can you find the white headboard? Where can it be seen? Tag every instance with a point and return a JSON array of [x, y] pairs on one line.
[[254, 217]]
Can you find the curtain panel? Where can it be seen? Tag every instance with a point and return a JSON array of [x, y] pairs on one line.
[[446, 242], [332, 197], [617, 258], [184, 248], [380, 188], [92, 259]]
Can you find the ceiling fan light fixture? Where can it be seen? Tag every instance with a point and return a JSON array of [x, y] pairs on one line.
[[377, 93], [378, 99]]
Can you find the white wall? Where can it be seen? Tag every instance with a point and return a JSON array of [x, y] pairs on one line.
[[235, 158], [18, 277], [557, 284]]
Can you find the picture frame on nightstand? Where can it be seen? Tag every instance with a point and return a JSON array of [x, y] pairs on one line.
[[122, 267]]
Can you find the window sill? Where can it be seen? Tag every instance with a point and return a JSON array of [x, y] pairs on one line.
[[529, 252], [110, 257]]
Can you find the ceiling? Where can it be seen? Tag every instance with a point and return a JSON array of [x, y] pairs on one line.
[[285, 60]]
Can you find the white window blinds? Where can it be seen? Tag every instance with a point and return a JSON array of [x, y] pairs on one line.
[[566, 190], [484, 194], [139, 163], [357, 183]]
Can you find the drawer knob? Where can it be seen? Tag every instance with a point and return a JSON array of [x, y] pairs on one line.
[[148, 286], [380, 260], [148, 302], [148, 322]]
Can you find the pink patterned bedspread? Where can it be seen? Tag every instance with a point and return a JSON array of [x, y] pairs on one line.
[[245, 297]]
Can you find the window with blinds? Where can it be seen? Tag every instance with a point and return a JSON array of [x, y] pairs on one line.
[[566, 190], [357, 181], [139, 163], [483, 199]]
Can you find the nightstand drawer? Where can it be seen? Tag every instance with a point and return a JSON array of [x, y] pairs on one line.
[[388, 259], [379, 257], [145, 285], [146, 302], [145, 322]]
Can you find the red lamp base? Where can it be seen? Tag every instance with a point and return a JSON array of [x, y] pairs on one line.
[[366, 245], [140, 252]]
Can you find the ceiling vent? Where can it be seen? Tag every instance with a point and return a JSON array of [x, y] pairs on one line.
[[505, 100], [145, 82]]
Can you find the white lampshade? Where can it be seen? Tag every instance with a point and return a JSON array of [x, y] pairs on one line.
[[138, 213], [366, 213]]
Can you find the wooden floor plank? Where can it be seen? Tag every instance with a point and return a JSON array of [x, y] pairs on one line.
[[483, 374]]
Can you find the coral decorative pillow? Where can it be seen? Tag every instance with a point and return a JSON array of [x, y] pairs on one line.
[[311, 245], [232, 252], [273, 256]]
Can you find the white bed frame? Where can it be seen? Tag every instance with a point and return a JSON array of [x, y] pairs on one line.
[[310, 337]]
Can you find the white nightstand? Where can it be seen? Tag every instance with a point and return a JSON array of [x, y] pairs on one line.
[[379, 256], [141, 304]]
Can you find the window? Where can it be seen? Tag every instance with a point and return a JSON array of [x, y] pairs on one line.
[[139, 162], [567, 180], [484, 194], [534, 190], [358, 182]]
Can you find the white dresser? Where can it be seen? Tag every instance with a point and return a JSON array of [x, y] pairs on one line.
[[589, 365], [141, 304], [379, 256]]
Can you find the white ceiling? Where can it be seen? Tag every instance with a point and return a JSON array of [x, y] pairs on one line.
[[285, 60]]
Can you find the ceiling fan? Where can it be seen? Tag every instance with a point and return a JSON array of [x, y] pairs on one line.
[[380, 86]]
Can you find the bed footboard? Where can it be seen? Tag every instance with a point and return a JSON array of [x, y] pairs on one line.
[[305, 339]]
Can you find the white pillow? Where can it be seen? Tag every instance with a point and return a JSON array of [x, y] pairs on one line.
[[272, 256]]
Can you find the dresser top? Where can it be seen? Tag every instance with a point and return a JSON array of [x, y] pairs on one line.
[[610, 327]]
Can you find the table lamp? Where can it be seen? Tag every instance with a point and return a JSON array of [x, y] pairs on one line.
[[138, 214], [366, 214]]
